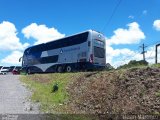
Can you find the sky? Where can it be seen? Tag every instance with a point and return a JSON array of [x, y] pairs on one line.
[[126, 24]]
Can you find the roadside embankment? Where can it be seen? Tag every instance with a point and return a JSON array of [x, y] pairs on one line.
[[124, 91]]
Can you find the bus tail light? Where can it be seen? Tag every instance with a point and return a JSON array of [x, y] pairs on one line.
[[91, 58]]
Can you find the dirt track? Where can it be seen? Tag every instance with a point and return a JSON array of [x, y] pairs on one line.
[[14, 97]]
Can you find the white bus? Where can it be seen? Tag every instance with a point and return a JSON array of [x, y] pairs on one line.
[[82, 51]]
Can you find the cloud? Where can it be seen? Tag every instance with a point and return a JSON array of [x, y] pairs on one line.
[[150, 55], [13, 58], [41, 33], [8, 37], [144, 12], [132, 35], [131, 17], [156, 25], [117, 57]]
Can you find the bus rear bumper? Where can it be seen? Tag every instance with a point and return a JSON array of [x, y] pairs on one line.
[[91, 66]]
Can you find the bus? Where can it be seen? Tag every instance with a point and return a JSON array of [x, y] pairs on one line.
[[82, 51]]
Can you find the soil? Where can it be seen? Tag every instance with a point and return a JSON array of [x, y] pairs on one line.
[[130, 91]]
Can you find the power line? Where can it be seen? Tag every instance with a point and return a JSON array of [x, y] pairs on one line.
[[154, 47], [143, 51], [132, 55], [152, 51], [150, 54], [114, 11], [154, 43], [129, 57], [156, 53]]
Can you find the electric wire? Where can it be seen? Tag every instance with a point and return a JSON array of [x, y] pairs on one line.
[[114, 11]]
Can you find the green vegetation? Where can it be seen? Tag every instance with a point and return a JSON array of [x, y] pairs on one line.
[[42, 86], [23, 73], [92, 92], [156, 65], [134, 63], [158, 94], [109, 67]]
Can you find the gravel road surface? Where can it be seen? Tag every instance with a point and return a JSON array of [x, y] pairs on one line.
[[14, 97]]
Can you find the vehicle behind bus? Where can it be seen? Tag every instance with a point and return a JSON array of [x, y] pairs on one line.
[[83, 51], [4, 70]]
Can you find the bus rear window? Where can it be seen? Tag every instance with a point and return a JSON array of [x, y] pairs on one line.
[[99, 52], [98, 42]]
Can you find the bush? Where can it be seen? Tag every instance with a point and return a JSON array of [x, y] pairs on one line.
[[134, 63], [109, 67]]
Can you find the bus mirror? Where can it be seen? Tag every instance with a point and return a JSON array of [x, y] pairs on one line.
[[20, 59], [89, 43]]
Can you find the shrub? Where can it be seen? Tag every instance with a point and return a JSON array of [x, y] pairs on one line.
[[134, 63]]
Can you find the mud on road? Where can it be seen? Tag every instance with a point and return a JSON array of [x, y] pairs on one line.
[[14, 97]]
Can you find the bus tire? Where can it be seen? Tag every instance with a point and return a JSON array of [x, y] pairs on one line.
[[59, 69], [28, 71], [69, 68]]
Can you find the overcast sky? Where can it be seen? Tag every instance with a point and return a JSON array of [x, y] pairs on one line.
[[127, 24]]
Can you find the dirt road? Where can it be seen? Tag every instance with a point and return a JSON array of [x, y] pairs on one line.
[[14, 97]]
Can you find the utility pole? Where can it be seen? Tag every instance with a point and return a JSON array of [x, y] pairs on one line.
[[156, 53], [143, 51]]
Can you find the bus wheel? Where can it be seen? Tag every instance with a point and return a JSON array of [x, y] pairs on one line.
[[59, 69], [28, 71], [68, 68]]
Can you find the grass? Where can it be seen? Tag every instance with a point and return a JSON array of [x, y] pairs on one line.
[[156, 65], [42, 90], [158, 94], [41, 86]]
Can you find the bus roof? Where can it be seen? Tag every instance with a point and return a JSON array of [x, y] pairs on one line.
[[61, 38]]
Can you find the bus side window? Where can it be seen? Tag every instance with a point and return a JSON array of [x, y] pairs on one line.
[[89, 43]]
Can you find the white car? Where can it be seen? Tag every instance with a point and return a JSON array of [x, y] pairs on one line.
[[4, 70]]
